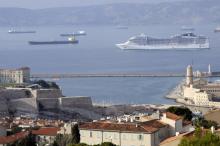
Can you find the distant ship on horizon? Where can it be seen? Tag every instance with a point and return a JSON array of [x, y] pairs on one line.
[[185, 41], [187, 28], [78, 33], [71, 40], [121, 27], [217, 29], [21, 31]]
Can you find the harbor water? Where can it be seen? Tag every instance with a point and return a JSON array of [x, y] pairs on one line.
[[97, 53]]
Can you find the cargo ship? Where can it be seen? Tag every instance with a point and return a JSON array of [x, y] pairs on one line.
[[185, 41], [69, 41], [17, 32]]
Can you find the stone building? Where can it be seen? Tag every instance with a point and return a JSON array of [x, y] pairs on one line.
[[200, 92], [176, 124], [147, 133], [18, 76], [122, 134], [45, 136]]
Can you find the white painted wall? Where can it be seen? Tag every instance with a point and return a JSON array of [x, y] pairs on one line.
[[93, 137]]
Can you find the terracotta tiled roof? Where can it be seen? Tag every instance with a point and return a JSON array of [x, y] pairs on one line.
[[52, 131], [172, 116], [154, 123], [175, 138], [12, 138], [148, 127]]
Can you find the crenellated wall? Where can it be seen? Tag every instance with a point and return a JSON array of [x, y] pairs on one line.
[[14, 93], [48, 103], [32, 101], [25, 105], [3, 107], [46, 93], [76, 102]]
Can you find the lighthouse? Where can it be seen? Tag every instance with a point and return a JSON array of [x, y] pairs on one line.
[[209, 70], [189, 75]]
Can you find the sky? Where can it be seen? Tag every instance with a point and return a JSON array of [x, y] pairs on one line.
[[36, 4]]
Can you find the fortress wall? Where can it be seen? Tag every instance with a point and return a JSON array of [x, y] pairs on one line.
[[28, 105], [3, 106], [48, 103], [46, 93], [14, 93], [76, 102]]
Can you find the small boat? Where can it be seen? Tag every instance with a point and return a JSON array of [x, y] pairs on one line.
[[70, 40], [18, 32], [81, 32], [78, 33], [217, 29]]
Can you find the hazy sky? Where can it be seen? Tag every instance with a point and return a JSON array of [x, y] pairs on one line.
[[33, 4]]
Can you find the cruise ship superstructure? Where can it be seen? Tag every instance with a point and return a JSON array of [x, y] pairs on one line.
[[185, 41]]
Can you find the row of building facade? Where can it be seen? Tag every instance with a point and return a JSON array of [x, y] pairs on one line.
[[18, 76], [122, 133]]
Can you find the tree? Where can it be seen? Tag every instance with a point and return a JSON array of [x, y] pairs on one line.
[[54, 85], [27, 141], [201, 122], [181, 111], [79, 144], [46, 84], [75, 134], [42, 83], [201, 138], [62, 140], [107, 144], [14, 130]]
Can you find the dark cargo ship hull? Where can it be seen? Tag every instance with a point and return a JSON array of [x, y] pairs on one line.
[[52, 42], [18, 32]]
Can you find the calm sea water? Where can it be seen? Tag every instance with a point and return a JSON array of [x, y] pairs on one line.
[[97, 53]]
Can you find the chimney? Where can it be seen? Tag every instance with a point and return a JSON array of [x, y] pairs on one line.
[[126, 119], [132, 120], [212, 129], [165, 115]]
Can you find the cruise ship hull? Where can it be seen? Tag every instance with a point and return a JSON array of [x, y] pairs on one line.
[[163, 47]]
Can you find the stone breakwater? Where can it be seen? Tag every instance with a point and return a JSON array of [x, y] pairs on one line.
[[177, 92]]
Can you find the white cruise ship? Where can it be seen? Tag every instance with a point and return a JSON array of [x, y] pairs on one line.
[[185, 41]]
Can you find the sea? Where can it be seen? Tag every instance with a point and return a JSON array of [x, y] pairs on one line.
[[97, 53]]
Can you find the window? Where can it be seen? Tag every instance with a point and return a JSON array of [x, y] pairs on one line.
[[90, 134], [124, 136], [115, 136], [140, 137], [106, 135], [98, 134]]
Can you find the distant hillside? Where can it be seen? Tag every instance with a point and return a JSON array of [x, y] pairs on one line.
[[192, 12]]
